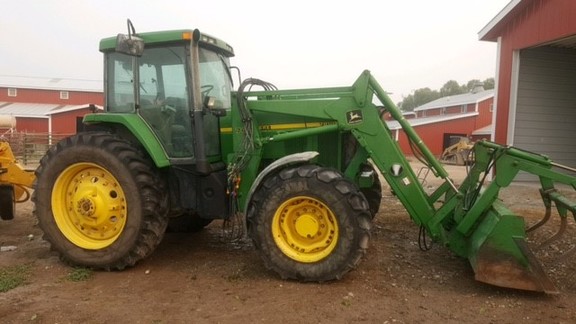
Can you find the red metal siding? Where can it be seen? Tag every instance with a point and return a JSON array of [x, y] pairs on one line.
[[52, 97], [433, 112], [484, 117], [65, 123], [433, 134], [503, 100], [453, 110], [32, 125]]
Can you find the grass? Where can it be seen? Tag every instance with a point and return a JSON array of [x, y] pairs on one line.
[[79, 274], [13, 276]]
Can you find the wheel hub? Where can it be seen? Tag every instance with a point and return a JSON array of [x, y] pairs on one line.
[[306, 226], [85, 207], [305, 229], [89, 206]]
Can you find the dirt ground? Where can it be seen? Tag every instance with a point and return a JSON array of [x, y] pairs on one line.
[[201, 278]]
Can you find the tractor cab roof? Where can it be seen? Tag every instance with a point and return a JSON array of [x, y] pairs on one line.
[[173, 36]]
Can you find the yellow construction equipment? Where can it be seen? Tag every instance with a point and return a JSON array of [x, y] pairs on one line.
[[15, 181], [459, 153]]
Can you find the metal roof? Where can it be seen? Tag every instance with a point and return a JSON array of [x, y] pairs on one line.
[[25, 82], [37, 110], [462, 99], [486, 130], [493, 29], [394, 125], [487, 32]]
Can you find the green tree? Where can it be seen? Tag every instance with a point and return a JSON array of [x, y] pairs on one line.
[[470, 85], [486, 84], [451, 88], [489, 83], [418, 98]]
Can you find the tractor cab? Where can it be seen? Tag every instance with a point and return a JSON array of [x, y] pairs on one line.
[[178, 82]]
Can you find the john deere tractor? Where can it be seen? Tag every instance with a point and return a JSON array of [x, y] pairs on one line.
[[178, 146]]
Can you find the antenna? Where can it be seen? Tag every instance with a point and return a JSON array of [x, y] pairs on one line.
[[131, 30]]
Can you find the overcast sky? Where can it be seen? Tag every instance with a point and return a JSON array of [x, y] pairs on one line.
[[407, 44]]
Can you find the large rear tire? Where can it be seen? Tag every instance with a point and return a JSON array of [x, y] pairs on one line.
[[100, 202], [309, 223]]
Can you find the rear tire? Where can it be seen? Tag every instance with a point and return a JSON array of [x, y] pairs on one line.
[[100, 202], [309, 223]]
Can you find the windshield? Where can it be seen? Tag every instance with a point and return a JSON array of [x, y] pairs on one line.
[[162, 75], [215, 78]]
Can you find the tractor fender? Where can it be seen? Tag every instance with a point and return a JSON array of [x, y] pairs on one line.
[[137, 127], [280, 163]]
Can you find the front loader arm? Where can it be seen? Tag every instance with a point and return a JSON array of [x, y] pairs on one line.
[[469, 219], [374, 135]]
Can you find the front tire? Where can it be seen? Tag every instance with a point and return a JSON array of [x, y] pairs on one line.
[[309, 223], [100, 202]]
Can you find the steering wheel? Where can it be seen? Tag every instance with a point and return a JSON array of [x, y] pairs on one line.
[[206, 89]]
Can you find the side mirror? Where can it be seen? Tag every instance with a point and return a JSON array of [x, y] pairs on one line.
[[210, 103], [129, 44]]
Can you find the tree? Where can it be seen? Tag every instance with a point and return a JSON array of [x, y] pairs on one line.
[[418, 98], [489, 83], [451, 88], [486, 84], [471, 84], [424, 95]]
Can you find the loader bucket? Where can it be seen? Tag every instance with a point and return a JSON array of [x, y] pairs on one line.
[[500, 255]]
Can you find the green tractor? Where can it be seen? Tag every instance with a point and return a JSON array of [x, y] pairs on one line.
[[178, 147]]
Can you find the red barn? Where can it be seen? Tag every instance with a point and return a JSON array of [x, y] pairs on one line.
[[441, 123], [48, 105], [536, 76]]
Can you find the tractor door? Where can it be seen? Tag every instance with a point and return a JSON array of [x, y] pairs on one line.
[[160, 96], [163, 97]]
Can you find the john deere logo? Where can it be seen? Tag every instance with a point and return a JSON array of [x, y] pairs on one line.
[[354, 116]]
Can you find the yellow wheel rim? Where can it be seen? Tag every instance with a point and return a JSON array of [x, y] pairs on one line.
[[89, 206], [305, 229]]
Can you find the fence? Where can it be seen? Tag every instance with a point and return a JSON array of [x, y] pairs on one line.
[[28, 148]]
